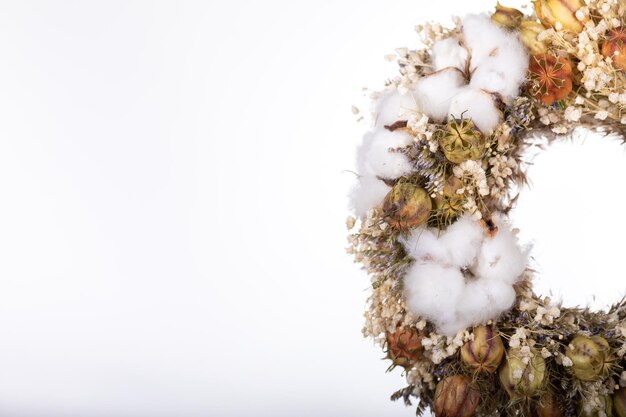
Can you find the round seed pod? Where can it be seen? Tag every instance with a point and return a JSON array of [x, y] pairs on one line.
[[485, 352], [508, 17], [404, 346], [519, 379], [461, 141], [551, 77], [589, 357], [529, 31], [456, 396], [551, 12], [614, 47], [407, 206]]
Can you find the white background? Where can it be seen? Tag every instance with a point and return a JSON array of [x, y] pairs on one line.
[[172, 205]]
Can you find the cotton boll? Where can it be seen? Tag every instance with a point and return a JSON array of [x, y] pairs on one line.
[[435, 91], [501, 257], [392, 106], [473, 306], [380, 159], [482, 37], [504, 72], [367, 194], [478, 105], [424, 243], [432, 291], [448, 53], [463, 240], [501, 296]]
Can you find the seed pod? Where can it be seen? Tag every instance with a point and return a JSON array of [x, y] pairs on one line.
[[529, 30], [615, 47], [449, 204], [404, 346], [507, 16], [406, 206], [589, 357], [456, 396], [521, 380], [546, 406], [619, 402], [484, 353], [551, 77], [461, 141], [551, 12]]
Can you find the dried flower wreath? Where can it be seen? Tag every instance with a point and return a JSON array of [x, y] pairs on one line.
[[452, 300]]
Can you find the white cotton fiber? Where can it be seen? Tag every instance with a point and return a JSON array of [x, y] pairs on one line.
[[478, 105], [435, 91], [476, 270], [377, 156], [392, 106], [482, 37], [462, 240], [501, 257], [449, 53], [503, 73], [432, 291], [425, 243], [368, 193]]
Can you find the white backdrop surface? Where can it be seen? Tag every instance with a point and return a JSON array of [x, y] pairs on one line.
[[172, 205]]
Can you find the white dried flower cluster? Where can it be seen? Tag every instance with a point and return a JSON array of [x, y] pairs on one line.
[[595, 398], [502, 167], [420, 377], [475, 185], [518, 337], [386, 311]]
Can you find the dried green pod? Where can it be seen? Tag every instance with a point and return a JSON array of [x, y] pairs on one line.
[[449, 204], [619, 402], [528, 33], [589, 356], [407, 206], [404, 346], [461, 141], [519, 379], [456, 396], [485, 352], [508, 17]]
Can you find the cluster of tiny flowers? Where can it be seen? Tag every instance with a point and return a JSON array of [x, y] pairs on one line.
[[475, 185]]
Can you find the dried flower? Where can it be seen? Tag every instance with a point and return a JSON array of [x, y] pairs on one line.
[[406, 206], [602, 407], [522, 375], [614, 47], [404, 346], [619, 402], [560, 14], [456, 396], [551, 77], [508, 17], [484, 353], [529, 31], [589, 356], [461, 141]]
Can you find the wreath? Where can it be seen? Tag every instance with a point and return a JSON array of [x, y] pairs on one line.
[[439, 170]]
